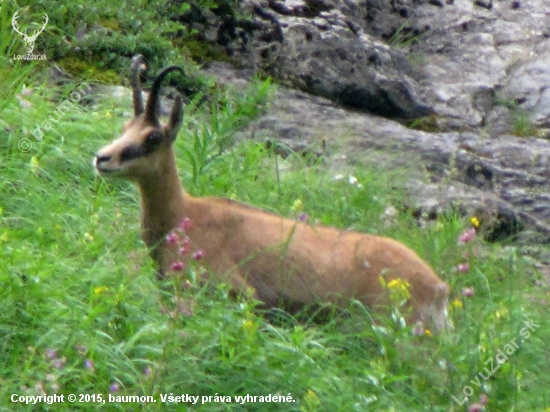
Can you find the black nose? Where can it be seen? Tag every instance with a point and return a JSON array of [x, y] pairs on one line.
[[101, 159]]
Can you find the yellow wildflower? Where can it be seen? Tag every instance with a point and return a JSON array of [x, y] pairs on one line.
[[34, 165], [398, 283], [399, 291], [98, 290], [399, 286], [248, 324], [474, 221], [457, 303], [311, 398], [501, 312], [297, 205], [427, 332]]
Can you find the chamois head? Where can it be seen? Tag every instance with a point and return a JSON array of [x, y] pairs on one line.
[[142, 149]]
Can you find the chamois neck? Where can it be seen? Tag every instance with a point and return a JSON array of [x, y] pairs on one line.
[[162, 201]]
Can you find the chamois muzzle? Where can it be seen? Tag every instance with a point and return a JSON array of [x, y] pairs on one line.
[[100, 160]]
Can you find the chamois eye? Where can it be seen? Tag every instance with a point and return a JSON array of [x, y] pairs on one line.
[[154, 139]]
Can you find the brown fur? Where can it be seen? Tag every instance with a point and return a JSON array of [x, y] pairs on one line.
[[278, 259]]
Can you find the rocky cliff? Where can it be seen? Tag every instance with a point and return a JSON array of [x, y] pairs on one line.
[[455, 90]]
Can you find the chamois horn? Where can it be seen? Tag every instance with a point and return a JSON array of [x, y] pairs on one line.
[[138, 65], [151, 109]]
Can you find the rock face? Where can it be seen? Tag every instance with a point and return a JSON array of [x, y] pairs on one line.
[[474, 64], [478, 56], [479, 68], [321, 47], [504, 181]]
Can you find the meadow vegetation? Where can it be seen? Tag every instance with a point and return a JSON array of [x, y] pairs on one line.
[[82, 312]]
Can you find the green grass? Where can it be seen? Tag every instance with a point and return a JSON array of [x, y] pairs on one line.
[[521, 119], [522, 123], [82, 311]]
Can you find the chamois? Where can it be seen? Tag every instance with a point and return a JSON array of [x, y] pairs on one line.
[[278, 259]]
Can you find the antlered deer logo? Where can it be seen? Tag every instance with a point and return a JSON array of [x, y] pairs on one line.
[[29, 40]]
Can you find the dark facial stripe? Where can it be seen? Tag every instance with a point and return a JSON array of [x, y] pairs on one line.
[[133, 152], [149, 145]]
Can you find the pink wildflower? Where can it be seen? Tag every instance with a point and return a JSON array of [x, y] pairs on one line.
[[59, 363], [172, 238], [89, 364], [483, 399], [198, 255], [114, 387], [418, 330], [467, 235], [184, 246], [468, 292], [177, 266], [185, 224], [475, 407], [463, 267]]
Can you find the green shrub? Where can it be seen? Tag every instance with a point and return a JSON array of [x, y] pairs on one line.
[[108, 33]]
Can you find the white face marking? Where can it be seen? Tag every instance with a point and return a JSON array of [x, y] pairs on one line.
[[94, 164]]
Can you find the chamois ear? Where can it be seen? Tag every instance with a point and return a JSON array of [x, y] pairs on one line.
[[176, 119]]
